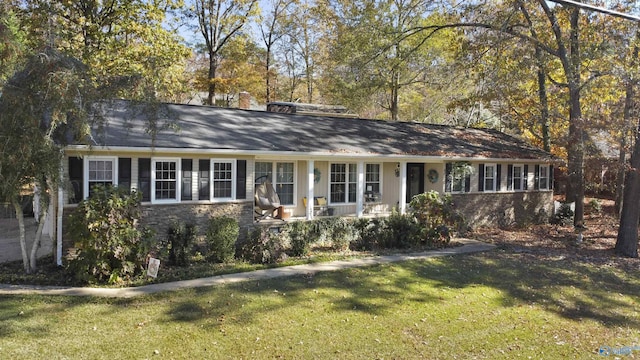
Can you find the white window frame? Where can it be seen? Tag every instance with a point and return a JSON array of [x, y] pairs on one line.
[[274, 177], [521, 176], [212, 180], [348, 181], [114, 167], [380, 177], [493, 177], [457, 176], [178, 180], [546, 177]]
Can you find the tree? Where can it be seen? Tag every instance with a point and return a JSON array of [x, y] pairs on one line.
[[241, 69], [627, 240], [218, 22], [272, 30], [41, 106], [11, 42], [376, 56], [124, 43]]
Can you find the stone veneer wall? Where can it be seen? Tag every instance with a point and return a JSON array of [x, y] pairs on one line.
[[160, 217], [503, 209]]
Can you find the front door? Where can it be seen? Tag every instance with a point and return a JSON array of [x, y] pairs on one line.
[[415, 180]]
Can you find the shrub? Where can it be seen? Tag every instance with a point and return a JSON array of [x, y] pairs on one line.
[[368, 233], [262, 247], [400, 231], [221, 236], [111, 246], [564, 215], [299, 237], [180, 241], [343, 233], [433, 213], [596, 206]]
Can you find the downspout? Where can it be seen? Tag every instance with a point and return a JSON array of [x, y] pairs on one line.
[[59, 219]]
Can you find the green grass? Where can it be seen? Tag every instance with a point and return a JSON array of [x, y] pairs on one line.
[[487, 306]]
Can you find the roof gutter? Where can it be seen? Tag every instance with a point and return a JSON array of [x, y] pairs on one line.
[[293, 155]]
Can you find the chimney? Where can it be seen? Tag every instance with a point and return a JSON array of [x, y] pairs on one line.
[[244, 101]]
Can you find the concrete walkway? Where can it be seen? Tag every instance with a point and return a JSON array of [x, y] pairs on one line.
[[469, 246]]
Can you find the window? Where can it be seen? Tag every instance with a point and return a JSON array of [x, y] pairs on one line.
[[517, 178], [283, 181], [542, 177], [165, 185], [263, 169], [490, 177], [100, 171], [372, 180], [343, 183], [458, 177], [223, 178]]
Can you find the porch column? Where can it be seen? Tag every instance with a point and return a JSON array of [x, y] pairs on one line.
[[360, 190], [310, 186], [403, 187]]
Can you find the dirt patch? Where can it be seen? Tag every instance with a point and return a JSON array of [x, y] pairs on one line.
[[559, 242]]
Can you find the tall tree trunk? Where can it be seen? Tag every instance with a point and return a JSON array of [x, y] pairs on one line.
[[628, 106], [213, 67], [627, 241], [23, 240], [268, 73], [575, 149], [620, 176], [627, 114], [544, 102], [393, 106]]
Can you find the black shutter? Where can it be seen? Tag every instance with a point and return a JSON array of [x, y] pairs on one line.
[[525, 180], [481, 177], [76, 178], [447, 182], [536, 181], [144, 178], [124, 173], [241, 179], [509, 177], [551, 177], [187, 167], [467, 182], [498, 176], [203, 179]]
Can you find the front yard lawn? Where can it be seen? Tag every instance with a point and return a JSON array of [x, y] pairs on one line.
[[537, 296], [488, 306]]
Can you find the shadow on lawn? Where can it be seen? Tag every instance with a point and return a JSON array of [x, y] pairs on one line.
[[572, 290]]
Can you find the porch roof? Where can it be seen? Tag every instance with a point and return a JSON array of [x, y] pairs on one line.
[[177, 126]]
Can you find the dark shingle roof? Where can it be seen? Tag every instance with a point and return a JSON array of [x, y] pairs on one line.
[[205, 128]]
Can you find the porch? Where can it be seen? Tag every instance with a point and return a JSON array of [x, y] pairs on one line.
[[347, 188]]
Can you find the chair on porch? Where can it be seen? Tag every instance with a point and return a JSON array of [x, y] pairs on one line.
[[266, 199]]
